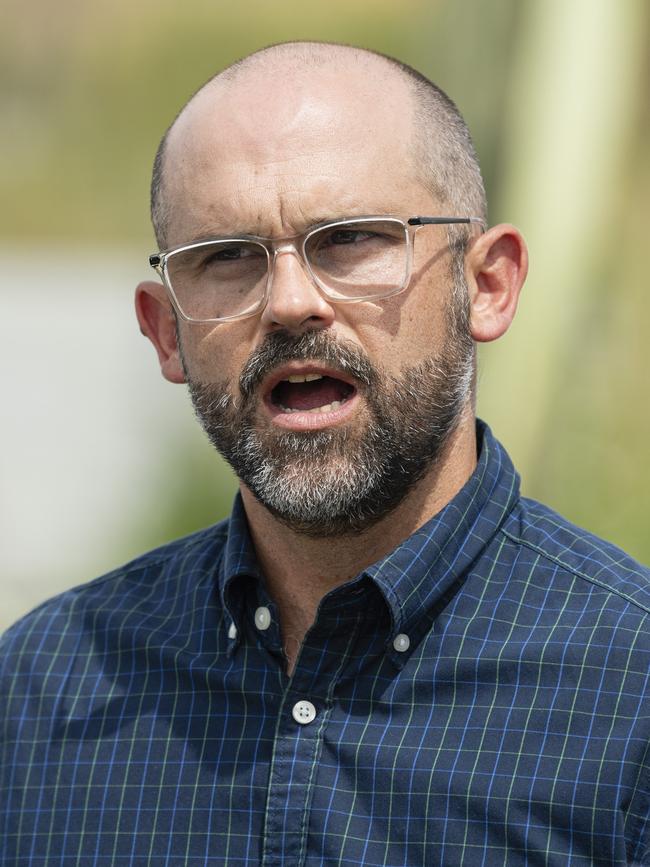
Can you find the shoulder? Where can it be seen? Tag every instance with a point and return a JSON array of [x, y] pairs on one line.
[[565, 549], [160, 580]]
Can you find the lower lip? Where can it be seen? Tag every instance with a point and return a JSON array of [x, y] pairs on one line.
[[312, 420]]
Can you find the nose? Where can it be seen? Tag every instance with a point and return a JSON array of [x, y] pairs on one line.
[[294, 301]]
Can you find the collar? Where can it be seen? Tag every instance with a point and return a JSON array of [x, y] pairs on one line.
[[417, 578]]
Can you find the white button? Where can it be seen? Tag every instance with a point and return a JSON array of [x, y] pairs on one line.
[[303, 712], [262, 617], [232, 631], [401, 642]]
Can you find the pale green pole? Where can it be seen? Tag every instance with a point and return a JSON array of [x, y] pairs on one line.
[[570, 111]]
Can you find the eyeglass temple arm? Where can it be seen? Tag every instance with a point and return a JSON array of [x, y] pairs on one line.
[[439, 221]]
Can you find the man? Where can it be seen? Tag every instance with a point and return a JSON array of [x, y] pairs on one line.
[[385, 655]]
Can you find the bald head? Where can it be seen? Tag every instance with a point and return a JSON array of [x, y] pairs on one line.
[[270, 102]]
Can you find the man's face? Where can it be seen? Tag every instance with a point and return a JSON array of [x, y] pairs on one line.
[[385, 381]]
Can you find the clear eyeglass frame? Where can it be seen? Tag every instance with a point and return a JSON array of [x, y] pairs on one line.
[[275, 246]]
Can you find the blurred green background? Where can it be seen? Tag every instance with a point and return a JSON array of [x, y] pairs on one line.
[[556, 96]]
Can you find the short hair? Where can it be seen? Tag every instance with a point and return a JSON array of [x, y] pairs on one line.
[[444, 155]]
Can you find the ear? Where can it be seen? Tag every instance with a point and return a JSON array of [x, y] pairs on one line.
[[158, 323], [496, 267]]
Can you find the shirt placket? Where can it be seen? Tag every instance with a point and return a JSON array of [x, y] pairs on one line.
[[303, 717]]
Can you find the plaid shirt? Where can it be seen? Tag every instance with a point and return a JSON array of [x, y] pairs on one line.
[[477, 697]]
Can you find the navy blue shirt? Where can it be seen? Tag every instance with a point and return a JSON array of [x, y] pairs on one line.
[[477, 697]]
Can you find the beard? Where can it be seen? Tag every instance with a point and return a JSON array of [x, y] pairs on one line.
[[341, 480]]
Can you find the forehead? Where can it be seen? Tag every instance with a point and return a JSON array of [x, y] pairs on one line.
[[273, 152]]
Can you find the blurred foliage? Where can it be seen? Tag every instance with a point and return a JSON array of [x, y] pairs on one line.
[[89, 88]]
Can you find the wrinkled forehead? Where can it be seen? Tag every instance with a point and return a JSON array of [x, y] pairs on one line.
[[335, 132]]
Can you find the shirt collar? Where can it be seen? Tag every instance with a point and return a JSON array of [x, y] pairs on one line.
[[239, 566], [418, 577]]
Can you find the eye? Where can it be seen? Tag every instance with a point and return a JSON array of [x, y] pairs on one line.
[[228, 254], [346, 236], [227, 257]]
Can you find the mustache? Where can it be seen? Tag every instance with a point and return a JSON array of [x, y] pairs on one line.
[[280, 347]]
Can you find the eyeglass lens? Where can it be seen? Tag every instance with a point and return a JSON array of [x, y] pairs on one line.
[[349, 260]]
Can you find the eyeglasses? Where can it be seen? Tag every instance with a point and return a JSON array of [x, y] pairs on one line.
[[357, 259]]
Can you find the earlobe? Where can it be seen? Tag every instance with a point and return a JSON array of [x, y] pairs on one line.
[[158, 323], [496, 268]]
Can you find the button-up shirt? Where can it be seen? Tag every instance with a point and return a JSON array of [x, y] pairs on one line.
[[477, 697]]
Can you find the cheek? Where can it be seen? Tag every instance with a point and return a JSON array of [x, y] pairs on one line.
[[216, 354], [404, 331]]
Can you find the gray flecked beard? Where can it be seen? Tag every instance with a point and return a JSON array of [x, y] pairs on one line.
[[341, 480]]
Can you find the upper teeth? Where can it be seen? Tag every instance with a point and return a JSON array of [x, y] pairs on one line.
[[308, 377]]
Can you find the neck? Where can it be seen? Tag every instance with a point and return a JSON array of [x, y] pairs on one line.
[[300, 569]]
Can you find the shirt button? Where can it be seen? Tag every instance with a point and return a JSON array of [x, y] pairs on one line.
[[232, 631], [401, 642], [303, 712], [262, 617]]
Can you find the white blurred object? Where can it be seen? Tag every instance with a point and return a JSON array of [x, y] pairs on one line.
[[86, 420]]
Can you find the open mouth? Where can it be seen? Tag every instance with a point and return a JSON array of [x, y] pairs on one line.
[[310, 393]]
